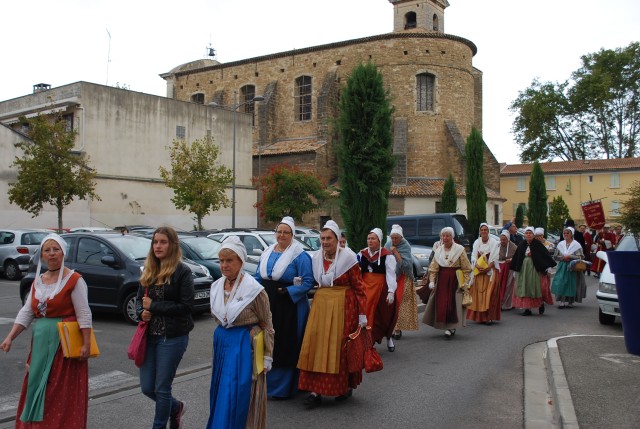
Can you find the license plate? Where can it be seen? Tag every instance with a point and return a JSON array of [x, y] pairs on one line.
[[202, 294]]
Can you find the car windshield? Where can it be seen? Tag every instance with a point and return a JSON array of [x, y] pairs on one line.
[[33, 237], [134, 246], [269, 238], [312, 241], [205, 248], [627, 243], [461, 225]]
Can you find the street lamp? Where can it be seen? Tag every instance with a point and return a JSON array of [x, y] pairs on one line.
[[234, 108]]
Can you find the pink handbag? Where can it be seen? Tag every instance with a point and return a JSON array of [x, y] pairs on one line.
[[138, 346]]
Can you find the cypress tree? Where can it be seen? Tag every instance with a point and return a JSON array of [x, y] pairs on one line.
[[449, 197], [537, 198], [364, 154], [519, 219], [476, 192]]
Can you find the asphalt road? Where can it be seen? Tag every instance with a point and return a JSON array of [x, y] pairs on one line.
[[474, 380]]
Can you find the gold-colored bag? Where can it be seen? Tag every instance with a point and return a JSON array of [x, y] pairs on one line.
[[580, 266], [466, 298]]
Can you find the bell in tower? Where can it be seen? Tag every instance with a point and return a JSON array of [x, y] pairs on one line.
[[419, 15]]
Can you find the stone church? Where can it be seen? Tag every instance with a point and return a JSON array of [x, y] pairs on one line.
[[434, 88]]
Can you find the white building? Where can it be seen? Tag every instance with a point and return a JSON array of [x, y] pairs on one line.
[[126, 134]]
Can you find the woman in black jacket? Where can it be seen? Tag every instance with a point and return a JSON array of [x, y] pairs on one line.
[[165, 302]]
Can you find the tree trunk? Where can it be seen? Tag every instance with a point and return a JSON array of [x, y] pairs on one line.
[[59, 206]]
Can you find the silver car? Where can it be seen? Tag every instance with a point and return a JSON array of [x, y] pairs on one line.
[[17, 246], [421, 259]]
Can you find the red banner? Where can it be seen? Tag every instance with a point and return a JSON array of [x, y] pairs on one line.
[[593, 214]]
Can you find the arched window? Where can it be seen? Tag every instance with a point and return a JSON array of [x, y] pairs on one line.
[[425, 89], [197, 98], [410, 20], [436, 26], [247, 93], [303, 98]]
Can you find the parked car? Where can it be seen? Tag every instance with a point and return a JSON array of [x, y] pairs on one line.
[[110, 264], [608, 307], [204, 232], [421, 258], [90, 229], [424, 229], [16, 248], [256, 241], [204, 251], [302, 230]]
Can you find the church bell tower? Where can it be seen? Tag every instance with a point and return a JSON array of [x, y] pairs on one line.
[[420, 15]]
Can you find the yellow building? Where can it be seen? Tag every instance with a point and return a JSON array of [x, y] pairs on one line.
[[575, 182]]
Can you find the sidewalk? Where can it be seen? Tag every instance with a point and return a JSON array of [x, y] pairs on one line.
[[586, 381]]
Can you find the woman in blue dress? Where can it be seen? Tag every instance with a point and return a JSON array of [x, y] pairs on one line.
[[286, 273]]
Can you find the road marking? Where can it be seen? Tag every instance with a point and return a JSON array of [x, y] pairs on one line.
[[620, 358], [9, 402], [110, 379]]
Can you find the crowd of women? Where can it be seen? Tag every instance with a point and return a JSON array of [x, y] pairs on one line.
[[268, 341]]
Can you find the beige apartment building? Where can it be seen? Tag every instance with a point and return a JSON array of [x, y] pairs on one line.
[[575, 181]]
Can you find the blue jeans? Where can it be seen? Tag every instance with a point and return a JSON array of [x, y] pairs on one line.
[[156, 374]]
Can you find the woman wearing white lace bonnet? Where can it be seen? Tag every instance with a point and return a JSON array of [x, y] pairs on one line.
[[57, 294], [378, 266], [240, 307], [286, 274], [338, 307]]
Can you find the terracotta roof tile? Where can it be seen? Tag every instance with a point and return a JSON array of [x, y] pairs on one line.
[[573, 166], [289, 146], [432, 187]]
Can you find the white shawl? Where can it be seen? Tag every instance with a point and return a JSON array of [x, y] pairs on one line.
[[242, 294], [573, 247], [345, 259], [454, 254], [492, 247], [289, 254]]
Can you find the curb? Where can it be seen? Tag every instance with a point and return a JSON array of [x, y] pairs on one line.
[[561, 395], [539, 411]]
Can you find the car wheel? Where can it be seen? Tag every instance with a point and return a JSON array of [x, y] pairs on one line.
[[129, 308], [12, 270], [606, 319]]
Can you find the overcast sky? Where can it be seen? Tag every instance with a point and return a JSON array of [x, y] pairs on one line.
[[132, 42]]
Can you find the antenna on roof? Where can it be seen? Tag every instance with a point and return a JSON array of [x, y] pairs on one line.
[[108, 56]]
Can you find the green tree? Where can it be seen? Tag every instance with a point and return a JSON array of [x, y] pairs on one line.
[[558, 213], [537, 214], [198, 182], [365, 153], [519, 218], [289, 191], [594, 114], [475, 190], [49, 172], [607, 93], [449, 197], [630, 209]]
